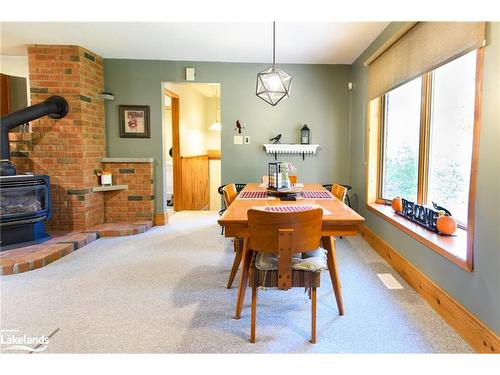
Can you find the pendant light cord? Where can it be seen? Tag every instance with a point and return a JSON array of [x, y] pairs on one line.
[[274, 43]]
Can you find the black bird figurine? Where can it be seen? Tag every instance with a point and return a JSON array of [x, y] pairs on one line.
[[239, 127], [276, 139], [439, 208]]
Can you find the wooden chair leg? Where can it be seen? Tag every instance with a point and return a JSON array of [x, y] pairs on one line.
[[254, 315], [329, 245], [236, 265], [313, 316], [246, 257]]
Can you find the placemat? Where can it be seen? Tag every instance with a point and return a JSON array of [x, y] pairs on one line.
[[316, 194], [253, 194], [288, 208], [292, 208]]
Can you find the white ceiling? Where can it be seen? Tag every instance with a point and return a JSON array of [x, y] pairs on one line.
[[308, 43]]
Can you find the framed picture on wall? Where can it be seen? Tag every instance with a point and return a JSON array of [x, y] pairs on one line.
[[134, 121]]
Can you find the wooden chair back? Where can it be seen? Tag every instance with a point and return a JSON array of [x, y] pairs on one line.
[[339, 191], [229, 193], [284, 234]]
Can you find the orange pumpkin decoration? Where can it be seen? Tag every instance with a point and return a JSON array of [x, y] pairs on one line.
[[397, 204], [446, 224]]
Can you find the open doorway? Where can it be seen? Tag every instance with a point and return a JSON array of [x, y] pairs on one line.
[[191, 115]]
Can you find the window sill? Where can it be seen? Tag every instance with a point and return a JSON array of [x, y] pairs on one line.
[[453, 248]]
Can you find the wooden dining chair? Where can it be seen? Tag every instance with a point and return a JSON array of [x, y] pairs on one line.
[[229, 193], [220, 190], [339, 191], [285, 253], [348, 187]]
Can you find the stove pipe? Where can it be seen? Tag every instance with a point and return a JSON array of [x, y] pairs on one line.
[[55, 107]]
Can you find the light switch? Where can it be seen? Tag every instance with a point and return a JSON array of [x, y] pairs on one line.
[[238, 139], [247, 139]]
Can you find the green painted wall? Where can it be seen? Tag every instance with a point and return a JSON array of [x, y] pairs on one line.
[[319, 98], [478, 291], [337, 119]]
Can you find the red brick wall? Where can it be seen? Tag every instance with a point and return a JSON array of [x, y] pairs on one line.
[[135, 204], [93, 127], [69, 149], [20, 147]]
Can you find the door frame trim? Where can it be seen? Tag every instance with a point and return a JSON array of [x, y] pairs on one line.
[[176, 150]]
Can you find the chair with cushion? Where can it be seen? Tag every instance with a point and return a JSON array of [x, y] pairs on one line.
[[230, 193], [286, 254]]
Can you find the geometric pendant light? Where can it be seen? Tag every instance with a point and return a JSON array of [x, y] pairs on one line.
[[273, 84]]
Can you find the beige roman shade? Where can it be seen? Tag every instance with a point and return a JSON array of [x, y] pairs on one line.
[[420, 48]]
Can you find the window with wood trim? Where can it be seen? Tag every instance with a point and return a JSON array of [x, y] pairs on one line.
[[399, 149], [426, 138]]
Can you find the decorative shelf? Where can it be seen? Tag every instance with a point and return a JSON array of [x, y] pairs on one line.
[[97, 189], [127, 160], [290, 149]]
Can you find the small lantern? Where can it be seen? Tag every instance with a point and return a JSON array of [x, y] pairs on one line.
[[275, 179], [305, 135]]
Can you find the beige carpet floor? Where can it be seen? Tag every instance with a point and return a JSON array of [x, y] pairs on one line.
[[164, 292]]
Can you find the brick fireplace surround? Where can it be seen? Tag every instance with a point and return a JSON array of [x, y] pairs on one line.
[[70, 150]]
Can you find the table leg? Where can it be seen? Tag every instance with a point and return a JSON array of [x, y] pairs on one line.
[[246, 258], [238, 249], [329, 245]]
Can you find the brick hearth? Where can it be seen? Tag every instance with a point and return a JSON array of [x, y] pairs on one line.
[[122, 229], [31, 257]]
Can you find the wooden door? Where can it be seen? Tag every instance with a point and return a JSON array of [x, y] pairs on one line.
[[191, 173], [4, 95], [195, 183]]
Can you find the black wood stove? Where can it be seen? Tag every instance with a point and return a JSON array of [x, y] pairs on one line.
[[24, 199], [24, 206]]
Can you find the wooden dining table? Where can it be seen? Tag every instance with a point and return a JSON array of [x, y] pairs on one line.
[[338, 220]]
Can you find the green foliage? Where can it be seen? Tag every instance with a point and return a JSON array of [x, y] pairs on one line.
[[449, 180], [448, 186], [401, 174], [401, 178]]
